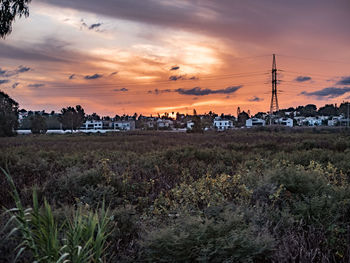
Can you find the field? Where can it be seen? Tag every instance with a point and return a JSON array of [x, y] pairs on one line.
[[240, 196]]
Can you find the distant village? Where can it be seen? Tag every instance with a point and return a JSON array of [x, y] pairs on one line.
[[307, 116]]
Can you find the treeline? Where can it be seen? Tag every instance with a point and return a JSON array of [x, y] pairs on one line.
[[72, 118], [311, 110]]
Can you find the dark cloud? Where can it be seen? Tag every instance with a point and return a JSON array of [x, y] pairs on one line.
[[50, 50], [250, 20], [22, 69], [83, 24], [174, 68], [36, 85], [157, 91], [72, 76], [122, 90], [331, 92], [15, 85], [182, 77], [344, 81], [94, 26], [29, 53], [302, 78], [175, 78], [197, 91], [256, 99], [114, 73], [10, 73], [3, 81], [95, 76]]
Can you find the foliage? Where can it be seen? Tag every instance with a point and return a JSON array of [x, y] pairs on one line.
[[8, 115], [259, 195], [10, 9], [72, 118], [38, 124], [204, 192], [228, 237], [82, 238]]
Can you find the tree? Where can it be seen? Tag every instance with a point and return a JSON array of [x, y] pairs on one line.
[[242, 117], [9, 10], [8, 115], [343, 109], [38, 124], [309, 110], [197, 125], [93, 117], [328, 110], [72, 118]]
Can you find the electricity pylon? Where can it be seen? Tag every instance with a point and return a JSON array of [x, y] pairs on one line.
[[274, 99]]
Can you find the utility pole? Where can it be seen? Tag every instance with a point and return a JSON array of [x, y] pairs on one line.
[[348, 116], [274, 101]]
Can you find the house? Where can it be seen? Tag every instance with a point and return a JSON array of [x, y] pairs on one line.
[[164, 124], [22, 114], [222, 124], [252, 122], [300, 120], [124, 125], [190, 125], [286, 122], [149, 122], [312, 121], [107, 124], [92, 125], [335, 121]]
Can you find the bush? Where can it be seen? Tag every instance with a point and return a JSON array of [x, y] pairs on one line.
[[226, 238], [82, 238]]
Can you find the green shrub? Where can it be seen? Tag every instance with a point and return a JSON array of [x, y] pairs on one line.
[[192, 239], [82, 238]]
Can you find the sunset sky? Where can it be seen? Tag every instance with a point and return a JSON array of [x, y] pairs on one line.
[[149, 56]]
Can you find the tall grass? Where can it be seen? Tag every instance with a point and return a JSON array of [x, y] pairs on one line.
[[80, 238]]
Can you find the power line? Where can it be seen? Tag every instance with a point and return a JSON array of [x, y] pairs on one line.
[[306, 73], [314, 59], [170, 82], [113, 85]]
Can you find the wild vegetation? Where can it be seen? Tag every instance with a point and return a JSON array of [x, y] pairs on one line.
[[266, 195]]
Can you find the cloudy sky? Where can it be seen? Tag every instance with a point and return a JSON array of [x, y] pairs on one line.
[[149, 56]]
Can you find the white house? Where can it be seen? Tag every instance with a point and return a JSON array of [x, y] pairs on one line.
[[92, 125], [190, 125], [312, 121], [161, 123], [286, 122], [124, 125], [252, 122], [334, 120], [22, 115], [222, 124]]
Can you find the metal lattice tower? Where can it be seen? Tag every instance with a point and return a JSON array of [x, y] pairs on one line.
[[274, 100]]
